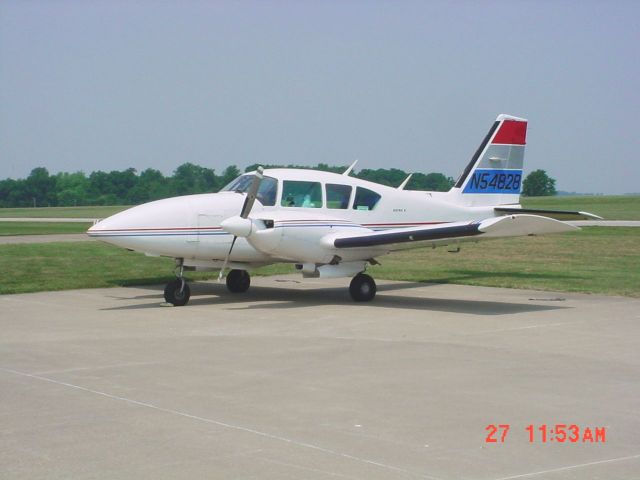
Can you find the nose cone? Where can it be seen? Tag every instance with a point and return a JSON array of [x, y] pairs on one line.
[[170, 227], [137, 227], [91, 229]]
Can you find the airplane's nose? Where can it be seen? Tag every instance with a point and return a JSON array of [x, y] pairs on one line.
[[133, 228], [157, 227], [92, 229]]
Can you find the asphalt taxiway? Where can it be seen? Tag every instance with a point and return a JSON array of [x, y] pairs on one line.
[[293, 380]]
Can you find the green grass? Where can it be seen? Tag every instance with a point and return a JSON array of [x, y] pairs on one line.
[[41, 228], [594, 260], [62, 212], [624, 207], [70, 265]]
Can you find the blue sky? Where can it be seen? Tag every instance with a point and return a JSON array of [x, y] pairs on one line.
[[87, 85]]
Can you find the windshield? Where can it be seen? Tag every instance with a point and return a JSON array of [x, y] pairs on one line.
[[266, 193]]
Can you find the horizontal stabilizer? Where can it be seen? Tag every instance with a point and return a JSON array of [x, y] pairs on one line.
[[555, 214]]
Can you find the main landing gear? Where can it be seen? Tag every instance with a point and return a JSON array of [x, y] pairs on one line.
[[238, 281], [362, 288]]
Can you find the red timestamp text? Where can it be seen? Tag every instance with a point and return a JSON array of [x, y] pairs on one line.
[[543, 433]]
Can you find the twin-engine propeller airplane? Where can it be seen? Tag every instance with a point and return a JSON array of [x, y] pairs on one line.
[[332, 225]]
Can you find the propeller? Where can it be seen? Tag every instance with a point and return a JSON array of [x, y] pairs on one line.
[[240, 226]]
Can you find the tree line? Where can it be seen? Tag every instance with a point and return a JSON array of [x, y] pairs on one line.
[[128, 187]]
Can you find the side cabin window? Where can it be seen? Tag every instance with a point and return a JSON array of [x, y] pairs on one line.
[[365, 199], [301, 194], [266, 193], [338, 195]]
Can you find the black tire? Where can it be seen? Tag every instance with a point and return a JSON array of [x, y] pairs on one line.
[[362, 288], [177, 292], [238, 281]]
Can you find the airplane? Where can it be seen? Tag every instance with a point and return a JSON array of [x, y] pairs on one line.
[[330, 224]]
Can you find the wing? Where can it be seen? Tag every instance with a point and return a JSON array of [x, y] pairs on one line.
[[495, 227]]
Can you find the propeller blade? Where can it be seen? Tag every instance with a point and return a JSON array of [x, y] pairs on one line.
[[226, 260], [246, 210], [251, 193]]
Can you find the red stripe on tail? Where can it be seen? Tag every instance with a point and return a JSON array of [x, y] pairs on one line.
[[511, 132]]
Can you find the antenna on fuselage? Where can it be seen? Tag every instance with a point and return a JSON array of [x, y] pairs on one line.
[[348, 170], [406, 180]]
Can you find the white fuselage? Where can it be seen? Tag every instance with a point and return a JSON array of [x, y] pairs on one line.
[[188, 227]]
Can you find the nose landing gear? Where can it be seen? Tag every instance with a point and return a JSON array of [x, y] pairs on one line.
[[177, 292]]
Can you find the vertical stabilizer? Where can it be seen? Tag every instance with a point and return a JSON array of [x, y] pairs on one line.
[[494, 174]]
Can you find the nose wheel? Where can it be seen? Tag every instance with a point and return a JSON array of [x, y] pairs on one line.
[[362, 288], [238, 281], [177, 292]]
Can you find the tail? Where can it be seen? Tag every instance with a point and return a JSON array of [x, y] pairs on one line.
[[494, 174]]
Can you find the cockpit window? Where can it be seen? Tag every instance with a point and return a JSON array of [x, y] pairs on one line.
[[365, 199], [338, 195], [301, 194], [266, 193]]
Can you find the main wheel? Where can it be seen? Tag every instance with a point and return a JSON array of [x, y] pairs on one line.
[[238, 281], [362, 288], [177, 292]]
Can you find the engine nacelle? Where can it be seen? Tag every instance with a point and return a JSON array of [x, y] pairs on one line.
[[266, 239], [297, 238]]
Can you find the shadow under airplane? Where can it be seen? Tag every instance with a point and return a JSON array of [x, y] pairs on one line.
[[207, 293]]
